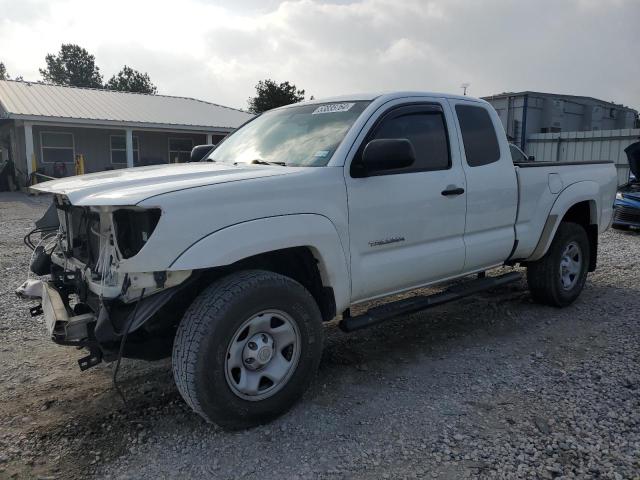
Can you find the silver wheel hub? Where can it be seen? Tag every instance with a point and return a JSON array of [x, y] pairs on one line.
[[570, 265], [262, 355], [258, 351]]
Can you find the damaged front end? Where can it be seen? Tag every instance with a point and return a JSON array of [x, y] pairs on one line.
[[90, 298]]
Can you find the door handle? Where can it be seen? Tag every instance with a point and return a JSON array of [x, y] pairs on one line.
[[452, 191]]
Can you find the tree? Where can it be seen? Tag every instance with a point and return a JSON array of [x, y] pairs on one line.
[[74, 66], [271, 95], [5, 76], [130, 80]]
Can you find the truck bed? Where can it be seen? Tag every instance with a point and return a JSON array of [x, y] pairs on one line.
[[541, 184]]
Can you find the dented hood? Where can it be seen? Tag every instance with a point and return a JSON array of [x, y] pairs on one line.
[[132, 185]]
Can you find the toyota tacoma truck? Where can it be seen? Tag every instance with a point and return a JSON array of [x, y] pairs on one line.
[[231, 264]]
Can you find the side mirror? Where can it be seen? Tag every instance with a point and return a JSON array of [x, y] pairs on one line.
[[531, 158], [200, 151], [387, 154]]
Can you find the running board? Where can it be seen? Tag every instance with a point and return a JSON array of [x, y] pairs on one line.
[[422, 302]]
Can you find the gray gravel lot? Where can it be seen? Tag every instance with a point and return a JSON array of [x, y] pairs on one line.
[[493, 386]]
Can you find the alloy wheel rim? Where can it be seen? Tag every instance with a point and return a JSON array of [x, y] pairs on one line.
[[570, 265], [262, 355]]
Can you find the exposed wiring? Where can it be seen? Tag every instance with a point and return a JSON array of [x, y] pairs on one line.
[[121, 351], [33, 253], [27, 238]]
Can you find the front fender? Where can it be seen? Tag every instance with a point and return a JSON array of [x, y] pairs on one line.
[[237, 242], [586, 191]]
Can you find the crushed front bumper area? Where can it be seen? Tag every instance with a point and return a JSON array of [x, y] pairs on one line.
[[66, 329], [61, 326], [100, 329], [95, 297]]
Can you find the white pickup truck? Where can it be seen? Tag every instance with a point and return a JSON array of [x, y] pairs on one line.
[[231, 264]]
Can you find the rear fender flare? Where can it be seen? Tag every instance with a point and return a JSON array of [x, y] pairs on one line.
[[243, 240], [576, 193]]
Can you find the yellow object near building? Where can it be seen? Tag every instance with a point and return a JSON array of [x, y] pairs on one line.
[[79, 164]]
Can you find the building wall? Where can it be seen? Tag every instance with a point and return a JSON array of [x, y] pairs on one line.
[[95, 145], [582, 146], [551, 113], [5, 140]]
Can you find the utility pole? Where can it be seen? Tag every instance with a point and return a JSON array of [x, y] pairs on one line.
[[464, 87]]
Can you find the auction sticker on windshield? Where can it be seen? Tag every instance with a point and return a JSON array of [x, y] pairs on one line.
[[333, 108]]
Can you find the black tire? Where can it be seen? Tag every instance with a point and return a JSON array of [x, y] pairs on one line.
[[210, 323], [543, 276]]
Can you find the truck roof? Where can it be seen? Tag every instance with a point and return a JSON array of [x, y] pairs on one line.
[[388, 96]]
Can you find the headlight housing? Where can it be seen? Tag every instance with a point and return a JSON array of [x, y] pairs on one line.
[[619, 196], [133, 227]]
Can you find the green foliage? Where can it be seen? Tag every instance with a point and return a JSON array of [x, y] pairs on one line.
[[130, 80], [73, 66], [5, 76], [270, 95]]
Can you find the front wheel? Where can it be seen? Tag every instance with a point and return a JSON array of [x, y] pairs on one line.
[[558, 278], [247, 348]]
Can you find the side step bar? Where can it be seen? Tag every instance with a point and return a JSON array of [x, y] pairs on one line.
[[422, 302]]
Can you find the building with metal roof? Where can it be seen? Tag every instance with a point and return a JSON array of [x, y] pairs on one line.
[[47, 128], [529, 113], [553, 127]]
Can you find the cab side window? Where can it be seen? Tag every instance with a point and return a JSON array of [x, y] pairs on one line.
[[424, 126], [428, 135], [478, 135]]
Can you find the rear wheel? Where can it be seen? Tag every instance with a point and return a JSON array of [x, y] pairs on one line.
[[558, 278], [247, 348]]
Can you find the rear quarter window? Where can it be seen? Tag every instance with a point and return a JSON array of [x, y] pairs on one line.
[[478, 135]]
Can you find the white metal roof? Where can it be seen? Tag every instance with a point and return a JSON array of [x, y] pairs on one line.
[[39, 101]]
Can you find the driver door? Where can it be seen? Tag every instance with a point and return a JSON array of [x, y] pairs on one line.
[[407, 225]]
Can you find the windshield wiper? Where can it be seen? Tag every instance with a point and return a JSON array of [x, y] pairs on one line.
[[264, 162]]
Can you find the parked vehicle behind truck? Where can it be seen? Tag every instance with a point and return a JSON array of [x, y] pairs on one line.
[[627, 205], [232, 264]]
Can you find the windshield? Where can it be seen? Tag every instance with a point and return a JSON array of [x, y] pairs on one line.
[[299, 136]]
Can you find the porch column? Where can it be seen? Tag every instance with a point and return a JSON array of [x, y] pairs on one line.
[[28, 143], [209, 138], [129, 146]]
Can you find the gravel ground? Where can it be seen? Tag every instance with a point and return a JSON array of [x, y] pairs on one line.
[[493, 386]]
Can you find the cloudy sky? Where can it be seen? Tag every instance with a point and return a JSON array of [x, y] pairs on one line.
[[218, 50]]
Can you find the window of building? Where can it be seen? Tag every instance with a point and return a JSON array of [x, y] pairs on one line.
[[216, 139], [478, 135], [180, 149], [57, 147], [426, 131], [119, 149]]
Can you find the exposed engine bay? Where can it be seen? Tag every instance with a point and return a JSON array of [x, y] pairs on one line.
[[88, 296]]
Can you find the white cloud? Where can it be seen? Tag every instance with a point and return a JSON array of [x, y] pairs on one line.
[[219, 50]]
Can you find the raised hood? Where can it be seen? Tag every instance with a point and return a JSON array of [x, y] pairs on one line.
[[132, 185], [633, 155]]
